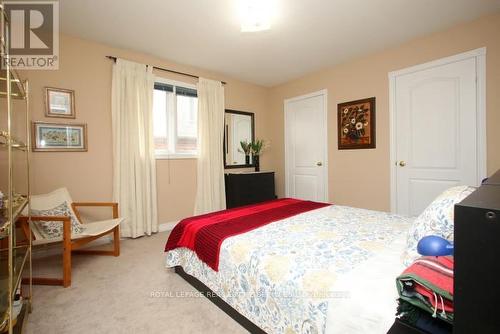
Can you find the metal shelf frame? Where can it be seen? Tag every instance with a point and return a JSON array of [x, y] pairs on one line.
[[15, 258]]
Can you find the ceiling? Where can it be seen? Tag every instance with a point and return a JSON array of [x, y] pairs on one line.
[[307, 35]]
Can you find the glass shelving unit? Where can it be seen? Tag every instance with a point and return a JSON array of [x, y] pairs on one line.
[[15, 256]]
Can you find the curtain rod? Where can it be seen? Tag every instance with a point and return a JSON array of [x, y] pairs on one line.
[[167, 70]]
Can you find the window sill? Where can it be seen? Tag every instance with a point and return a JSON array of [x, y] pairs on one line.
[[176, 156]]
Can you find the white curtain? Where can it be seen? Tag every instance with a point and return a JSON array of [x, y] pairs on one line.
[[210, 194], [134, 170]]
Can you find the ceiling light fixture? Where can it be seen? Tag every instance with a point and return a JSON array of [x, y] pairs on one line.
[[256, 15]]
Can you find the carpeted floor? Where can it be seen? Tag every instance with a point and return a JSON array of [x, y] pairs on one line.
[[114, 295]]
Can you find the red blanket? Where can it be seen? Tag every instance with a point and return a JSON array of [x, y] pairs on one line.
[[428, 284], [204, 234]]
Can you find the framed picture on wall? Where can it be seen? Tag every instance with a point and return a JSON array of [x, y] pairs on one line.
[[59, 103], [356, 124], [52, 137]]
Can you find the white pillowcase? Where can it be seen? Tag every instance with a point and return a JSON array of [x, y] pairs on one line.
[[437, 219]]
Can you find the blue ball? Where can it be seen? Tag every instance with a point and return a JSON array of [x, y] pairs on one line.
[[433, 245]]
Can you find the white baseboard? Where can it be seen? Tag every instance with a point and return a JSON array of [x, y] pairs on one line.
[[167, 226]]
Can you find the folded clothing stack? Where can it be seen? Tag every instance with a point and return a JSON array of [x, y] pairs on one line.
[[426, 292]]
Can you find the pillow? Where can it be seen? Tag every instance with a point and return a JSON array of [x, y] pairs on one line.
[[437, 219], [54, 229]]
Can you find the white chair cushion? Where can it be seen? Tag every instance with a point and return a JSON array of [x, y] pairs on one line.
[[51, 200], [55, 203], [96, 228], [54, 229], [91, 229]]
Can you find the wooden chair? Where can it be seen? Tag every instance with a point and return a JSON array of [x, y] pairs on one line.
[[71, 242]]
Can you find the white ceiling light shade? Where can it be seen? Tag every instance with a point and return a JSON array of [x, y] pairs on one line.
[[256, 15]]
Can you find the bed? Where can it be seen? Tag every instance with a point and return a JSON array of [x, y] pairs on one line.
[[329, 270]]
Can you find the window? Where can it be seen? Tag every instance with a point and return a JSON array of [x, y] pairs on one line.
[[175, 120]]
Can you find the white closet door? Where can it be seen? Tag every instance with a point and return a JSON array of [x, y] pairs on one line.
[[306, 151], [435, 127]]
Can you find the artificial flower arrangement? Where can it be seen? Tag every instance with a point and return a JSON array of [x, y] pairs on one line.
[[255, 148], [246, 148]]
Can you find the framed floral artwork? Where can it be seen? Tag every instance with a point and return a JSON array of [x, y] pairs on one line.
[[59, 103], [52, 137], [356, 124]]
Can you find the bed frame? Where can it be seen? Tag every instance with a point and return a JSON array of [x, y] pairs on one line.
[[478, 216], [398, 327], [214, 298]]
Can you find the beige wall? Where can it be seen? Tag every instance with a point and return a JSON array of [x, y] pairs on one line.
[[358, 178], [361, 177], [88, 175]]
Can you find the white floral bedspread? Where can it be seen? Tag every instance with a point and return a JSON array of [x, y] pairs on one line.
[[281, 276]]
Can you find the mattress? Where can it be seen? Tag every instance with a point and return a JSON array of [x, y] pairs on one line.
[[330, 270]]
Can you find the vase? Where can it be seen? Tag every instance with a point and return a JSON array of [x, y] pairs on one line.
[[247, 159], [256, 163]]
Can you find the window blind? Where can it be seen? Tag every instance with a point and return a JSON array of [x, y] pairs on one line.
[[164, 87], [186, 91], [178, 90]]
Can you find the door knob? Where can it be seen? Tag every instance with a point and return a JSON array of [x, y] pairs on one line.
[[319, 163], [402, 163]]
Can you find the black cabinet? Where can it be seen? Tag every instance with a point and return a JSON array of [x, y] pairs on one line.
[[249, 188], [477, 254]]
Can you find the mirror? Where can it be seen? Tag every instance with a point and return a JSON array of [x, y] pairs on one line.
[[238, 127]]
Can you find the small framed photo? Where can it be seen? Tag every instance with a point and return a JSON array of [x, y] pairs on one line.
[[52, 137], [356, 124], [59, 103]]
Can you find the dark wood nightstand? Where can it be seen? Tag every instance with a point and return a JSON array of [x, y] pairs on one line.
[[249, 188]]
